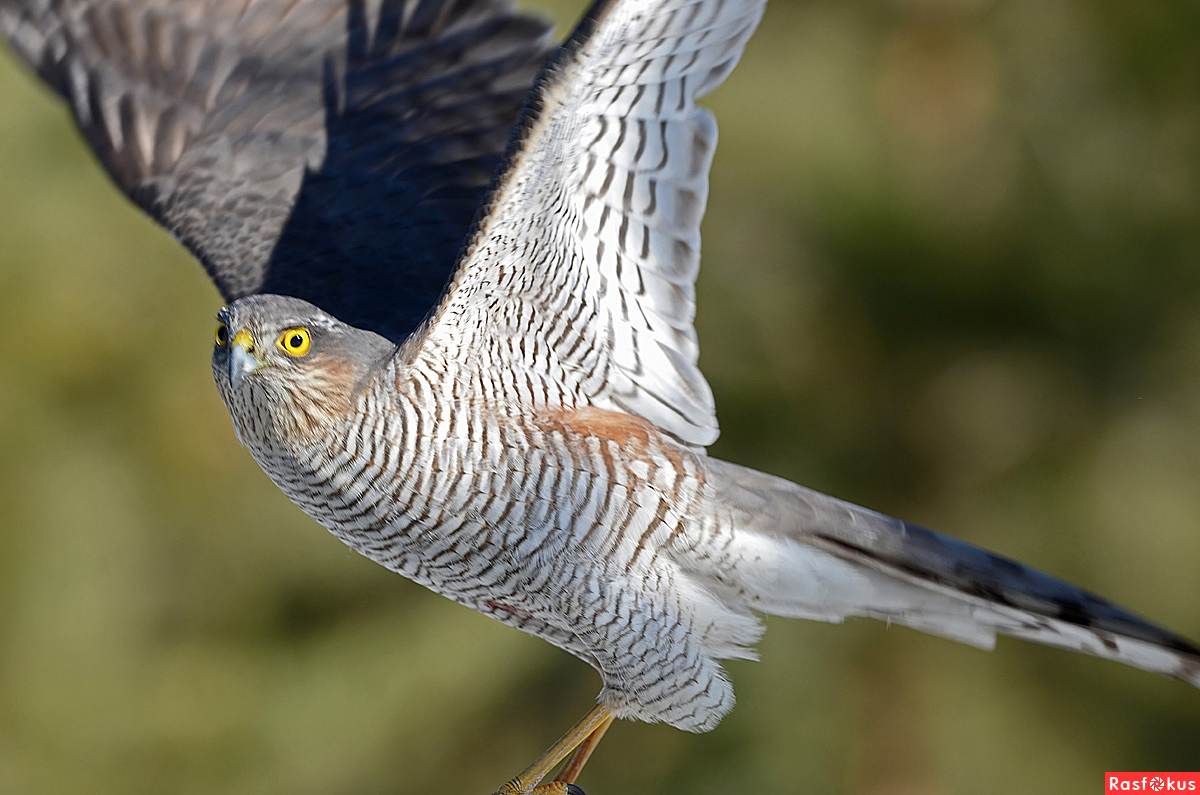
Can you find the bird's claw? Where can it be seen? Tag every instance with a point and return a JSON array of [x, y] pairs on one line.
[[550, 788]]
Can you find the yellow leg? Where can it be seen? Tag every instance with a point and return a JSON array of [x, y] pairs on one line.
[[574, 766], [593, 723]]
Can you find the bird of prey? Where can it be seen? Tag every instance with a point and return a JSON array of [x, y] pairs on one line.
[[489, 384]]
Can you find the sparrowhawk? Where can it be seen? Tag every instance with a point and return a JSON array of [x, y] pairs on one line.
[[507, 410]]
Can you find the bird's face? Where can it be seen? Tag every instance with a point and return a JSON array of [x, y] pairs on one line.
[[288, 372]]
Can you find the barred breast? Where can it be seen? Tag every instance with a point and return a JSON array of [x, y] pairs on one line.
[[575, 525]]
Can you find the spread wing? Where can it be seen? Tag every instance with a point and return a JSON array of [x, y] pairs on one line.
[[335, 151], [585, 265]]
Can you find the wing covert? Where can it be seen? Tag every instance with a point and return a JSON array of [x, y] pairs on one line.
[[586, 263]]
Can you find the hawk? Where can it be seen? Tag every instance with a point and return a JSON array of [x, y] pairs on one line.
[[460, 329]]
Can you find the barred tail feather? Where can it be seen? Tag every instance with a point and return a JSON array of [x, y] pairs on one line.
[[803, 554]]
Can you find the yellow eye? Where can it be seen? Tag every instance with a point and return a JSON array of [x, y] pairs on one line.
[[294, 342], [221, 335]]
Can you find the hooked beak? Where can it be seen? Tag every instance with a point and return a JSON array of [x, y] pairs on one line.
[[242, 360]]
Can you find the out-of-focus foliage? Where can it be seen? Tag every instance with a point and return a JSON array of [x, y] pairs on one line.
[[952, 272]]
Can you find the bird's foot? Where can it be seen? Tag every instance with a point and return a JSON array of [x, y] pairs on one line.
[[553, 788]]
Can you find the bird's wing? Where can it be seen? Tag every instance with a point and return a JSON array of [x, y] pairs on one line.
[[585, 264], [331, 150]]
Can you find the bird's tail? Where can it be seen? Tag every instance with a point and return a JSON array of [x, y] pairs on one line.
[[796, 552]]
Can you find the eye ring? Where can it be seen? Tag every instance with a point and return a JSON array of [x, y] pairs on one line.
[[295, 342], [221, 335]]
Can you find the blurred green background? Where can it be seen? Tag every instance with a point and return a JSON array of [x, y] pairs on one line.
[[952, 272]]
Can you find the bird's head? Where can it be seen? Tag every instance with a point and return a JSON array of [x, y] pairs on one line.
[[288, 372]]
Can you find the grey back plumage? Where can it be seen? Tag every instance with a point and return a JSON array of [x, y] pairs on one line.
[[330, 150]]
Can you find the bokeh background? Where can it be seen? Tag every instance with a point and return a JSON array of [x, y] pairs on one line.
[[952, 272]]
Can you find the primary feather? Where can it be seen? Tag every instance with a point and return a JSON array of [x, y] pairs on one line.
[[332, 150]]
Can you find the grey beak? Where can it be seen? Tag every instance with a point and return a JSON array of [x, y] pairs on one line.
[[241, 363]]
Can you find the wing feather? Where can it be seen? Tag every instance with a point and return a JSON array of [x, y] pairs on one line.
[[333, 150], [592, 239]]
